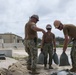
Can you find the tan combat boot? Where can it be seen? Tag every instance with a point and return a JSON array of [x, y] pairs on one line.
[[34, 72], [45, 67], [73, 69], [50, 67], [29, 67]]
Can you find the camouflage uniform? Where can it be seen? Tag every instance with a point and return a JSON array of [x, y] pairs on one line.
[[47, 45], [70, 29], [73, 54], [31, 48], [48, 49], [31, 45]]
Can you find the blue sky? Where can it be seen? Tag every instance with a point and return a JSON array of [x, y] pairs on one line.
[[15, 13]]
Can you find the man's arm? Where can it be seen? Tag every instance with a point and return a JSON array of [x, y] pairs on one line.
[[25, 31], [66, 41], [54, 43], [42, 42], [38, 29]]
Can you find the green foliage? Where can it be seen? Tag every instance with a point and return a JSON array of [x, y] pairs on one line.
[[62, 45], [39, 40], [60, 40]]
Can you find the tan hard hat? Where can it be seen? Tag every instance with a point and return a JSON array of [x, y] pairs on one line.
[[56, 23], [48, 26], [35, 16]]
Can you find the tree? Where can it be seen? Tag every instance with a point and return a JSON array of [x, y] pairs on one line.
[[60, 40], [39, 40]]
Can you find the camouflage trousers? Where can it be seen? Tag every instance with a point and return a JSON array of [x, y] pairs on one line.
[[31, 49], [48, 49], [73, 54]]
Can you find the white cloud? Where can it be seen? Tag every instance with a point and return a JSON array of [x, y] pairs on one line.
[[15, 13]]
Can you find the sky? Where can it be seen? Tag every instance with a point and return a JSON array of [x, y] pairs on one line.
[[14, 14]]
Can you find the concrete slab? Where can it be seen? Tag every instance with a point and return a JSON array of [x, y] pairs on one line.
[[7, 52]]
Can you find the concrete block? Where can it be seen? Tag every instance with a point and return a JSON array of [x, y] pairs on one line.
[[2, 57], [8, 53]]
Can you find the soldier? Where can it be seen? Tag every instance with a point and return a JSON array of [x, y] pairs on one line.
[[48, 42], [31, 42], [69, 31]]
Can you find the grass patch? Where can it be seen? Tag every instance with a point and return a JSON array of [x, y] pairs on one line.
[[18, 58]]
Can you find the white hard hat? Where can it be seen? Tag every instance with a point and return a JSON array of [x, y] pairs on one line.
[[35, 16], [48, 26], [56, 23]]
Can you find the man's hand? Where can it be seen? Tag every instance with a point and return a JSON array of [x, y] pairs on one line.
[[41, 49], [43, 31], [64, 51], [54, 50]]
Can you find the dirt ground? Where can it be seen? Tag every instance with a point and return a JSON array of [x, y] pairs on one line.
[[42, 71], [40, 68]]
